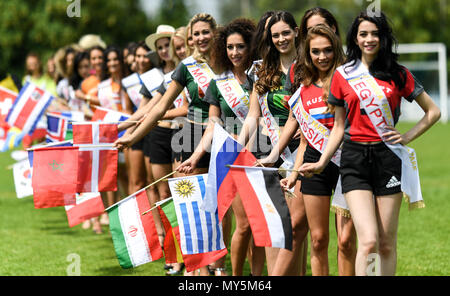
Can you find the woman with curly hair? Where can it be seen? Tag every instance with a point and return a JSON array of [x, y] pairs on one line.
[[231, 58]]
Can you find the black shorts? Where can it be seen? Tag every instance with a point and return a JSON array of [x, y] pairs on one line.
[[187, 140], [370, 167], [160, 145], [146, 144], [139, 145], [319, 184]]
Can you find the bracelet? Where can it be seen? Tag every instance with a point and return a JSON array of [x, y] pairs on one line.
[[88, 98]]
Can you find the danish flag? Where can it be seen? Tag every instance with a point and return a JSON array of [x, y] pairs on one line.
[[97, 157]]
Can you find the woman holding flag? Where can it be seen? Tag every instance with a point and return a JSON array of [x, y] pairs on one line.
[[228, 96], [195, 74], [269, 100], [366, 93], [306, 70]]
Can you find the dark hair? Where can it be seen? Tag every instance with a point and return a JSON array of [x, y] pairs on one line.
[[219, 59], [269, 73], [139, 45], [328, 16], [108, 50], [385, 66], [75, 79], [306, 73], [330, 20], [258, 36], [96, 47]]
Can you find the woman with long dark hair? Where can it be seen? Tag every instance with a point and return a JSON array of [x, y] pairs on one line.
[[279, 49], [375, 165]]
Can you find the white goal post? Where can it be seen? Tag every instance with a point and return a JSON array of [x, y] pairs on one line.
[[440, 65]]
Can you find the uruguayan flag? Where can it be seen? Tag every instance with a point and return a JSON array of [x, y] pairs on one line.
[[200, 231]]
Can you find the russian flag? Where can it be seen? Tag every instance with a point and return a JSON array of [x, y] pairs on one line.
[[220, 187]]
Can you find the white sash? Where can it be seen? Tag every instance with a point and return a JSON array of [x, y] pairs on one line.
[[274, 131], [317, 136], [201, 72], [107, 97], [180, 99], [374, 101], [233, 94], [133, 85], [152, 79]]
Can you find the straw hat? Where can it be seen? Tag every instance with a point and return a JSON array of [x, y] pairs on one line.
[[90, 40], [161, 32]]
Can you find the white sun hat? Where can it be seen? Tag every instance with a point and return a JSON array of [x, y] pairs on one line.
[[161, 32]]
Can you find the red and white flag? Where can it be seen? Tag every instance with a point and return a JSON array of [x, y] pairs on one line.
[[264, 203], [54, 177], [88, 205], [97, 159], [28, 108]]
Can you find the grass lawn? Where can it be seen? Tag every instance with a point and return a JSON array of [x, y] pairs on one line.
[[40, 242]]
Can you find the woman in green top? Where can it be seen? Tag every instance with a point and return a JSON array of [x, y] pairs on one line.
[[203, 27], [230, 57], [279, 51]]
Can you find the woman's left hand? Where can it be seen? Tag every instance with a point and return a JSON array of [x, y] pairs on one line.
[[393, 136]]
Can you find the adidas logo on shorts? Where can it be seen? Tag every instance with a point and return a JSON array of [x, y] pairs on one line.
[[393, 182]]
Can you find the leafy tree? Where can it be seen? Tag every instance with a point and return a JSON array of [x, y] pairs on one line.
[[43, 26]]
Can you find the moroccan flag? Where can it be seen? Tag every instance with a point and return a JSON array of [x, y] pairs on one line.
[[134, 235], [55, 169], [99, 164], [194, 261], [264, 203], [54, 177], [88, 205]]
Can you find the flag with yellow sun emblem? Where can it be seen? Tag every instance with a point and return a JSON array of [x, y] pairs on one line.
[[200, 231]]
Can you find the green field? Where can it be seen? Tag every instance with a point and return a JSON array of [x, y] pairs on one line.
[[39, 242]]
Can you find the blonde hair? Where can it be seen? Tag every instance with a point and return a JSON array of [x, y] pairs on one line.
[[207, 18], [181, 33]]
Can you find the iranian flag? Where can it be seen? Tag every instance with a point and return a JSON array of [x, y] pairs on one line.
[[134, 235]]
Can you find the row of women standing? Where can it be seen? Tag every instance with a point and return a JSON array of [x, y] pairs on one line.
[[306, 61]]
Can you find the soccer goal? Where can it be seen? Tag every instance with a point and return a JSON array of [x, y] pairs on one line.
[[428, 62]]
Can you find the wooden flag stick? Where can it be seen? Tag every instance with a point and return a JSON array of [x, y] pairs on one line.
[[157, 204], [260, 168], [142, 189]]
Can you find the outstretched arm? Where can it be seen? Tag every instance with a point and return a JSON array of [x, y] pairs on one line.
[[151, 120]]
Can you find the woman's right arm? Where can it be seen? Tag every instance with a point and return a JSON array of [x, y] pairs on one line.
[[334, 141], [151, 119]]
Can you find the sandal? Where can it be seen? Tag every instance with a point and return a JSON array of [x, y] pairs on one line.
[[220, 271]]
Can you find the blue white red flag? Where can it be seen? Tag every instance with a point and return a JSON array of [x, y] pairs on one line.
[[57, 127], [220, 188]]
